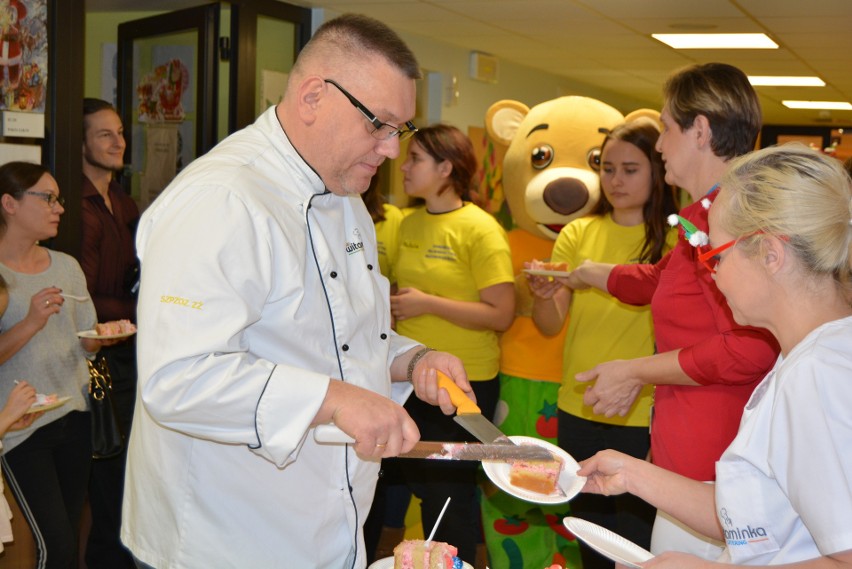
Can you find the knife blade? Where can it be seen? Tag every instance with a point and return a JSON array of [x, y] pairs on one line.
[[469, 416], [439, 450], [482, 452]]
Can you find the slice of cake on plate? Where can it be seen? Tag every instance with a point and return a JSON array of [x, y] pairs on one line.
[[114, 328], [539, 476], [417, 554]]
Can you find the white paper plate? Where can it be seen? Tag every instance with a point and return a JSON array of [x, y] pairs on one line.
[[387, 563], [569, 482], [48, 406], [94, 335], [607, 543], [547, 273]]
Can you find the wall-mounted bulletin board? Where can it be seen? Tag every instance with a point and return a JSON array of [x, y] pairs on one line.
[[23, 79]]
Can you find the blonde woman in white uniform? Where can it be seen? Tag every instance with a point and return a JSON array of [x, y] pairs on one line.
[[781, 239]]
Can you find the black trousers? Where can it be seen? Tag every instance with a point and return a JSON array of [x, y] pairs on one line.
[[433, 481], [106, 484], [48, 474], [626, 514]]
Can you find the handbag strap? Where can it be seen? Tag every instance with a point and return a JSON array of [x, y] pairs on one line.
[[99, 378]]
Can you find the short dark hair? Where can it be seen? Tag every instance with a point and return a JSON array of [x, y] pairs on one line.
[[91, 106], [721, 93], [18, 177], [353, 33]]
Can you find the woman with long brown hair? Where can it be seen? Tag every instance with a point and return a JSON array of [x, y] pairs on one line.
[[455, 293], [628, 226]]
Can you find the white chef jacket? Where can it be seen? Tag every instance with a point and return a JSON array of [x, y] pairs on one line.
[[783, 491], [258, 285]]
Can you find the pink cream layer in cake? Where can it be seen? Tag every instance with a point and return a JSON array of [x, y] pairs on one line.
[[114, 328], [416, 554], [42, 399], [536, 476]]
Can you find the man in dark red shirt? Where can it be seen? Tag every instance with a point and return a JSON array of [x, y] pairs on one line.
[[108, 258]]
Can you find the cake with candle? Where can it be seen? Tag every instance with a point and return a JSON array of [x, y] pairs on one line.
[[420, 554]]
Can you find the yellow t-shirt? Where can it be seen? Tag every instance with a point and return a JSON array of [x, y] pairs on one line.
[[454, 255], [387, 239], [601, 328]]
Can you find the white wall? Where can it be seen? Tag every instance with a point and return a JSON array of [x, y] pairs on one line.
[[524, 84], [530, 86]]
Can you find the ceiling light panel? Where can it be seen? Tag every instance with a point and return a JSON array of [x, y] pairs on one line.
[[785, 81], [716, 41]]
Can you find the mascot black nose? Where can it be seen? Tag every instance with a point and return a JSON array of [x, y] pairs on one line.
[[566, 195]]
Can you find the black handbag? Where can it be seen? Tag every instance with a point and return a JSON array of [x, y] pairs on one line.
[[107, 438]]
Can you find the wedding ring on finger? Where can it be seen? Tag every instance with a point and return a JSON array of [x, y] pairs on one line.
[[47, 303]]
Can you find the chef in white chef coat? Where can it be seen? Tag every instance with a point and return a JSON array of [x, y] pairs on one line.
[[262, 313]]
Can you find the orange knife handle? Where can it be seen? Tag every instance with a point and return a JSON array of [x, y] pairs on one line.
[[463, 403]]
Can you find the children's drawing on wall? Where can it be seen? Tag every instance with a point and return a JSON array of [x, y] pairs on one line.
[[165, 87], [23, 55], [160, 92], [488, 193]]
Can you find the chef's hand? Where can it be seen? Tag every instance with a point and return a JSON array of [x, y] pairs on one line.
[[425, 380], [380, 427]]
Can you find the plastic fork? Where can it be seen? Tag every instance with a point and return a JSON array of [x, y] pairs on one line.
[[73, 296]]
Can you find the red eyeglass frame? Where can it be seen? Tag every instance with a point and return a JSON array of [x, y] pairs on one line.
[[707, 255]]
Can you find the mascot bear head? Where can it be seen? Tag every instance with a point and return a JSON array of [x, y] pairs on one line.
[[550, 171]]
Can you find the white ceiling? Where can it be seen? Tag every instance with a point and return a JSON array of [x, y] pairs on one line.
[[608, 44]]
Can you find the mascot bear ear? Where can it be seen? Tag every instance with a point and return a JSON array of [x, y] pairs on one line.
[[645, 114], [503, 119]]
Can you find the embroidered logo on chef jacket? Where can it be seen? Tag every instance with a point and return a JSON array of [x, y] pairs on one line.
[[356, 245], [745, 520], [746, 535]]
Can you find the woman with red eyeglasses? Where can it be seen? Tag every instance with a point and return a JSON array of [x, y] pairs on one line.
[[781, 232], [706, 365]]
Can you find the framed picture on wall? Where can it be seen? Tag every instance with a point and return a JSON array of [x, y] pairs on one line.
[[167, 95]]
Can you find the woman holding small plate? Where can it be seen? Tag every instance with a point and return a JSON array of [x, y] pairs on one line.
[[781, 252], [47, 463]]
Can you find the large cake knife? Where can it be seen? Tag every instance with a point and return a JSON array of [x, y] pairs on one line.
[[500, 452], [469, 415]]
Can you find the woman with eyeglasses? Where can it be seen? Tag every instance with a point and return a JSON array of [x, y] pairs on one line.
[[781, 239], [454, 292], [706, 365], [46, 464]]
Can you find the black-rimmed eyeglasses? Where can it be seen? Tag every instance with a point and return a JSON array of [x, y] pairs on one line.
[[51, 199], [382, 130]]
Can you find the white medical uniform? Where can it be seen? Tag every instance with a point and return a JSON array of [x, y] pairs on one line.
[[783, 487], [257, 286]]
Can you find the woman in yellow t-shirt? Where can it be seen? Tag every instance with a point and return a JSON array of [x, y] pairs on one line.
[[454, 292], [629, 226], [386, 218]]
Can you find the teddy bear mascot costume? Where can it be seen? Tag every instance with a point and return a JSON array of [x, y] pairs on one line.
[[550, 177]]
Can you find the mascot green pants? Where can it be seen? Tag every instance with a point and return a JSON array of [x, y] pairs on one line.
[[519, 534]]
